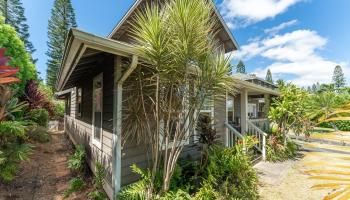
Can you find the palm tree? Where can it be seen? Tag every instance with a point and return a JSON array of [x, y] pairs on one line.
[[188, 67]]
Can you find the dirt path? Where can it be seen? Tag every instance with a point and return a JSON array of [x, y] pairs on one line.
[[322, 173], [45, 176]]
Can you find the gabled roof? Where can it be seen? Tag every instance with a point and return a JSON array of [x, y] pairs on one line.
[[225, 34]]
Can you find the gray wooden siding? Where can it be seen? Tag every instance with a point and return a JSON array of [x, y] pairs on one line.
[[81, 133]]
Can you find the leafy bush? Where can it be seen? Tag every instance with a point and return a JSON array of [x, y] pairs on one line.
[[37, 98], [39, 116], [100, 175], [230, 173], [12, 154], [58, 109], [75, 184], [276, 152], [10, 131], [76, 161], [40, 134], [341, 125]]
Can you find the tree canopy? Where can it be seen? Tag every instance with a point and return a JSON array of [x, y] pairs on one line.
[[338, 77], [13, 12], [62, 19], [269, 76], [240, 68], [16, 50]]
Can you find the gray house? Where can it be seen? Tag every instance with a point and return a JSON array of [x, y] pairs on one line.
[[91, 80]]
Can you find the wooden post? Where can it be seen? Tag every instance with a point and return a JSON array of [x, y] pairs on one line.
[[244, 110]]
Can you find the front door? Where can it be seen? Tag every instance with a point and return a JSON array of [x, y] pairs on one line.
[[97, 103]]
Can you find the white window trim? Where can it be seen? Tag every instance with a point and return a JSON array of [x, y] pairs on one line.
[[94, 141]]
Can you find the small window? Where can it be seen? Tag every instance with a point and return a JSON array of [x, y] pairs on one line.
[[68, 106], [97, 110], [79, 100]]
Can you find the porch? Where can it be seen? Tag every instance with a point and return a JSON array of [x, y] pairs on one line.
[[247, 111]]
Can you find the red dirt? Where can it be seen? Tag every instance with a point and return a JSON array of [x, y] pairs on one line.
[[45, 176]]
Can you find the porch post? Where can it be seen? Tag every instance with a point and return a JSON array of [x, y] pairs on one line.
[[244, 110], [267, 104], [117, 98]]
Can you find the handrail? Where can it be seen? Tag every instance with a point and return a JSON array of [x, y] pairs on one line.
[[233, 135], [252, 129]]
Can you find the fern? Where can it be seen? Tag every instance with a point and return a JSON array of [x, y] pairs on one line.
[[75, 184], [77, 160], [11, 130], [97, 195]]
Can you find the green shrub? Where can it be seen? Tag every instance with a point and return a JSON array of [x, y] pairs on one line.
[[75, 184], [76, 161], [39, 134], [39, 116], [230, 174], [207, 192], [58, 109], [100, 175], [11, 131], [12, 154], [278, 152], [341, 125]]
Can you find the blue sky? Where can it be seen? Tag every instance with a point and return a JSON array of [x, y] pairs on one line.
[[299, 40]]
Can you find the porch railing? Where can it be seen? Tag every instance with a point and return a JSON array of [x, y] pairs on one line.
[[254, 130], [234, 137], [263, 124]]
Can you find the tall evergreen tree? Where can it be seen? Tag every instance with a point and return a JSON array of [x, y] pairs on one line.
[[240, 68], [338, 77], [269, 76], [13, 12], [62, 19]]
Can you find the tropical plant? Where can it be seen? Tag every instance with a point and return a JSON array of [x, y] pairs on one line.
[[11, 131], [75, 184], [19, 57], [76, 161], [98, 180], [36, 98], [38, 115], [188, 67], [289, 110], [39, 134]]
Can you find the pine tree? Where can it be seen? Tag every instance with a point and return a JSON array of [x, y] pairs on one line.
[[13, 12], [338, 78], [62, 19], [269, 76], [240, 68]]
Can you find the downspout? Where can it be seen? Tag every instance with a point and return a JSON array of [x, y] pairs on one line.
[[117, 117]]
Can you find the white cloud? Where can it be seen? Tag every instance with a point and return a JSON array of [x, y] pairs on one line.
[[243, 12], [274, 30], [294, 54]]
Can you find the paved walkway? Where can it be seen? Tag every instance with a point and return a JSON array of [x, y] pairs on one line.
[[322, 173]]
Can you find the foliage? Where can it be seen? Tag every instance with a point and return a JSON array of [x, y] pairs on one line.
[[277, 152], [11, 131], [240, 68], [38, 133], [13, 12], [338, 78], [19, 57], [58, 27], [75, 184], [13, 153], [189, 66], [269, 76], [231, 174], [39, 116], [289, 110], [58, 109], [36, 98], [100, 175], [76, 161], [137, 190]]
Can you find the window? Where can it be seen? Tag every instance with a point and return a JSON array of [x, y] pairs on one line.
[[79, 100], [68, 106], [97, 103]]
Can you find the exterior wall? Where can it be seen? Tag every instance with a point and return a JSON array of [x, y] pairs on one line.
[[79, 128]]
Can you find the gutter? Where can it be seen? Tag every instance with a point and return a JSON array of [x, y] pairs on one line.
[[119, 79]]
